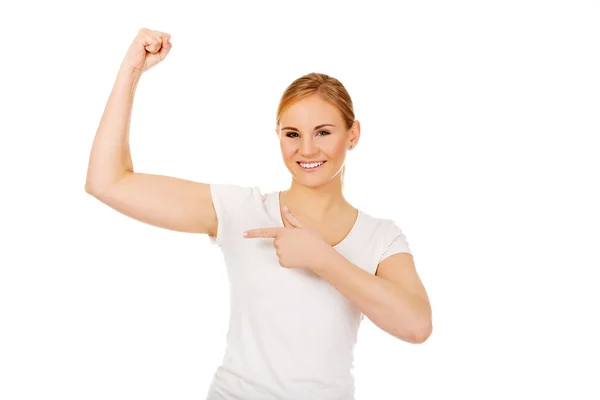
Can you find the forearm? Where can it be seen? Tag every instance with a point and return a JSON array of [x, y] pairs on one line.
[[110, 157], [396, 311]]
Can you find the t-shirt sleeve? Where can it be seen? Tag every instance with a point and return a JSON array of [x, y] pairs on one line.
[[228, 200], [395, 241]]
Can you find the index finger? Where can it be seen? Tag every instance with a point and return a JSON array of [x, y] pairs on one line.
[[262, 233]]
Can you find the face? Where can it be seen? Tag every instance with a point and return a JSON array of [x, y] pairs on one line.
[[314, 140]]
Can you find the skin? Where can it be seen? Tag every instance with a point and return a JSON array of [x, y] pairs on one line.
[[317, 216], [321, 189]]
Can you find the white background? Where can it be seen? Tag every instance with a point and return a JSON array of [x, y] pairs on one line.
[[480, 123]]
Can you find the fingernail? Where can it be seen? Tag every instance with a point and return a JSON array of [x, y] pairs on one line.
[[245, 234]]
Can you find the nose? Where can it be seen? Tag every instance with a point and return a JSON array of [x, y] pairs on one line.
[[308, 146]]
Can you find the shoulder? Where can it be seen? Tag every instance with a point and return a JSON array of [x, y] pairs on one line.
[[236, 207], [378, 225], [229, 198], [387, 235], [231, 189]]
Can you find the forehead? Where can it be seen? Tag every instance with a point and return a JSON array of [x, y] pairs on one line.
[[310, 110]]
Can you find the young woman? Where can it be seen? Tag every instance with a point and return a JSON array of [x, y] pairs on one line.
[[304, 265]]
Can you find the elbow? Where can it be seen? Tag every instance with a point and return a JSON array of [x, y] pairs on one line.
[[95, 190], [421, 334], [91, 189], [418, 332], [88, 188], [98, 186], [422, 326]]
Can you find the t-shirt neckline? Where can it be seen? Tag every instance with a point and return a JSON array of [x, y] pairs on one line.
[[277, 210]]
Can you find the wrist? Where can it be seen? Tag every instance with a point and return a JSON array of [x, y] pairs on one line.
[[326, 257], [127, 73]]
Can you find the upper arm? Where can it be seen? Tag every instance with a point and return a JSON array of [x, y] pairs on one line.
[[163, 201], [396, 264], [400, 269]]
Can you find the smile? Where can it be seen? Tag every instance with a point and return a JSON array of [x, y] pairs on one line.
[[311, 166]]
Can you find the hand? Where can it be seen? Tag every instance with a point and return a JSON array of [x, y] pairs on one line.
[[298, 246], [148, 49]]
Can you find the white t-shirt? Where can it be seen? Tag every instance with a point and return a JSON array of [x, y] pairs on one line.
[[291, 333]]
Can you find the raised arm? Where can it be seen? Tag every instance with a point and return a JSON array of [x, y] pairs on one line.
[[159, 200]]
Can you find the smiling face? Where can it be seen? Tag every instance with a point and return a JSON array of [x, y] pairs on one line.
[[314, 140]]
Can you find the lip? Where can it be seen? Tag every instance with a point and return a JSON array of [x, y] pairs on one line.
[[308, 162]]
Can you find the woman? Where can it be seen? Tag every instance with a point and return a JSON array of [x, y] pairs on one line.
[[303, 264]]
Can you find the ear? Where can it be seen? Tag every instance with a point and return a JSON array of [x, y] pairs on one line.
[[354, 135]]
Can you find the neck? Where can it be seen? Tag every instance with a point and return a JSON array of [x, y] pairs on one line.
[[314, 203]]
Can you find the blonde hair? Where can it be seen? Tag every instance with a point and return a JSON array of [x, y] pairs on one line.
[[329, 88]]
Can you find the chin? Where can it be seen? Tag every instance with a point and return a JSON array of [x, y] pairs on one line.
[[311, 183]]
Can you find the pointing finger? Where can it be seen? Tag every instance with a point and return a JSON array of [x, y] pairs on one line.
[[262, 233]]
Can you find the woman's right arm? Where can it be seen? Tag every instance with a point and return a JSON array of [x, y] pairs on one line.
[[159, 200]]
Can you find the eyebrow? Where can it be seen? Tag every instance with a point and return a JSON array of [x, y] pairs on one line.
[[296, 129]]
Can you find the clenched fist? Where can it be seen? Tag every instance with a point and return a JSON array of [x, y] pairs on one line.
[[148, 49]]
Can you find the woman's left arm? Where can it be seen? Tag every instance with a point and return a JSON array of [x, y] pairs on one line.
[[394, 298]]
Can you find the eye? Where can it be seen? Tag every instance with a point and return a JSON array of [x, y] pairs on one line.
[[295, 134]]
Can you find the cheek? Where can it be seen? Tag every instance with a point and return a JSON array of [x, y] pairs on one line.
[[287, 148], [336, 149]]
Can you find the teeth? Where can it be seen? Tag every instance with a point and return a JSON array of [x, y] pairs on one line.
[[311, 165]]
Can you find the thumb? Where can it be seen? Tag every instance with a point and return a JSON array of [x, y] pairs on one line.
[[291, 218], [165, 50]]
